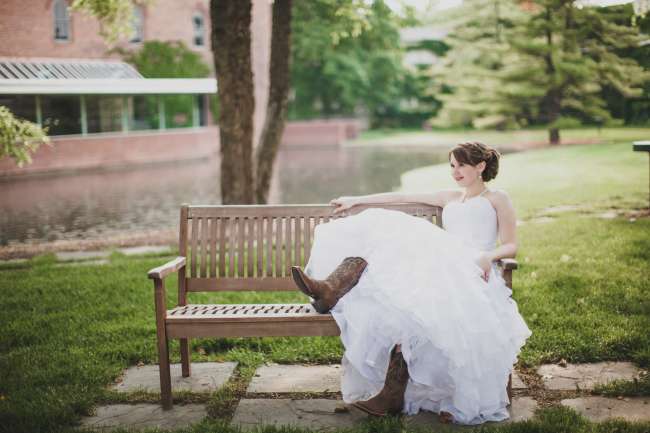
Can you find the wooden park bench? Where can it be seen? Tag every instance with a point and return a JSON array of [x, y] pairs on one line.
[[249, 248]]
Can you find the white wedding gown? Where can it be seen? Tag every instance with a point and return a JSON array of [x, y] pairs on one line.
[[460, 335]]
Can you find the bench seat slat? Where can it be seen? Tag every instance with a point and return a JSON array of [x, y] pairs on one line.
[[262, 328], [245, 313], [248, 320]]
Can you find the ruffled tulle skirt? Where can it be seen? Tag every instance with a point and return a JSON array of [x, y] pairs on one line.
[[460, 335]]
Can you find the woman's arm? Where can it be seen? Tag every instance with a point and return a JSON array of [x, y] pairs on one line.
[[438, 198], [507, 225]]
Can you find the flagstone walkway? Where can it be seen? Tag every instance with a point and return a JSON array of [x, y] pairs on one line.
[[309, 396]]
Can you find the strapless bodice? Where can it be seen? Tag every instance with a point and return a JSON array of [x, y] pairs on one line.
[[474, 221]]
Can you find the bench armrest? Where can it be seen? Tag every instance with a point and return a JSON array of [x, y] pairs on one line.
[[162, 271], [508, 264]]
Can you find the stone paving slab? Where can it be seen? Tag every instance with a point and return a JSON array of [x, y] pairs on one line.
[[296, 378], [316, 378], [522, 408], [145, 249], [585, 376], [323, 414], [68, 256], [598, 408], [517, 383], [144, 415], [206, 377], [316, 414]]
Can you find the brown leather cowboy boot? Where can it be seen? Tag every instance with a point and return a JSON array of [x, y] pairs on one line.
[[390, 399], [327, 292]]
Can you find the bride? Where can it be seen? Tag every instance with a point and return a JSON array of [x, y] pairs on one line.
[[427, 320]]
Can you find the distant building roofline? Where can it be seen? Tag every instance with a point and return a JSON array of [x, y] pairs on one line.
[[44, 68], [108, 86], [43, 76]]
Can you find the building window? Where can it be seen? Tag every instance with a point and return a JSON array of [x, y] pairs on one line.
[[21, 106], [178, 110], [138, 24], [143, 113], [61, 114], [198, 23], [104, 113], [61, 21]]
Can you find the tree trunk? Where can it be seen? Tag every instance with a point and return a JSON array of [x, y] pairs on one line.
[[231, 48], [552, 101], [276, 111]]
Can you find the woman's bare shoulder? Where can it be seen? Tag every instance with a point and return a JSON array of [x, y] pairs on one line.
[[499, 198]]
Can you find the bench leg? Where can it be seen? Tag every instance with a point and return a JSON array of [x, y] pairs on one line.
[[163, 346], [165, 374], [185, 357]]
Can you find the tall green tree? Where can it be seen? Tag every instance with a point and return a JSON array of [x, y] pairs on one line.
[[632, 110], [571, 53], [347, 57], [469, 79]]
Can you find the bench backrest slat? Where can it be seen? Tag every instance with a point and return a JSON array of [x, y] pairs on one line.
[[253, 247], [213, 247], [194, 248], [204, 246], [278, 247]]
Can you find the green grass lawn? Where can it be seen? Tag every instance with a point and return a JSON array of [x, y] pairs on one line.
[[597, 177], [498, 138], [66, 332]]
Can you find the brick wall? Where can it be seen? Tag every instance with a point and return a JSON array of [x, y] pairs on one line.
[[320, 132], [117, 150], [27, 29]]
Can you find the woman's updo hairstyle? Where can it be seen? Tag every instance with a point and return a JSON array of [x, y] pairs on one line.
[[473, 153]]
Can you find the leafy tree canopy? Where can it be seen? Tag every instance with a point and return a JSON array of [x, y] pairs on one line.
[[162, 59], [19, 138], [346, 55], [116, 16]]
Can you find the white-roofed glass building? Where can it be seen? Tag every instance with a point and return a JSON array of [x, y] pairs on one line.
[[103, 113], [88, 97]]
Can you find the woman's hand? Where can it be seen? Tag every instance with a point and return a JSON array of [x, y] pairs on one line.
[[343, 203], [485, 263]]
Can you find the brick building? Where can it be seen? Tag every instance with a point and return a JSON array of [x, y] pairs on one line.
[[108, 119]]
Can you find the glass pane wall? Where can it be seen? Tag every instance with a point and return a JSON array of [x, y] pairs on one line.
[[202, 104], [61, 114], [143, 112], [22, 106], [178, 110], [104, 113]]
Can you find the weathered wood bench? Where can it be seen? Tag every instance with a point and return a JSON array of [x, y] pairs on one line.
[[248, 248]]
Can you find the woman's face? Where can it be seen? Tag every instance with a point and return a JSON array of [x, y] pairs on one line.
[[465, 174]]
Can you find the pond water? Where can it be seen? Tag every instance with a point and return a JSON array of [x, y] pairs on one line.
[[92, 205]]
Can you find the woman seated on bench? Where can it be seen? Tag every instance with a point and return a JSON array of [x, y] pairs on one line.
[[430, 323]]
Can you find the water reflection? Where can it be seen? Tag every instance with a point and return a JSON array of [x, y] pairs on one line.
[[92, 205]]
